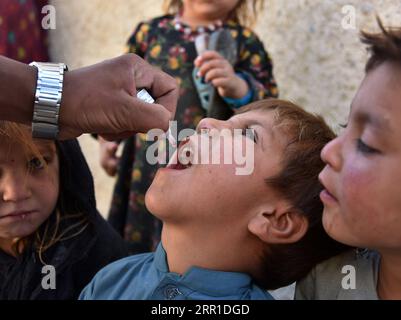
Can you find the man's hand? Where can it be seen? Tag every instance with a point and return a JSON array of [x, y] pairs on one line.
[[102, 99], [217, 70]]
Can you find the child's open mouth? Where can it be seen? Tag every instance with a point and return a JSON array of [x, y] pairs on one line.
[[181, 159]]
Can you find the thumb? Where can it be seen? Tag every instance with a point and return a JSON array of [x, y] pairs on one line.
[[146, 116]]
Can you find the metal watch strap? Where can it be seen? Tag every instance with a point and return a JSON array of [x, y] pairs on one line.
[[46, 110]]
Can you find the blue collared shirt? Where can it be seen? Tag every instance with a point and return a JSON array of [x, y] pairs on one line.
[[147, 277]]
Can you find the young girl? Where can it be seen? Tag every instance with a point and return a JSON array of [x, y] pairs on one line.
[[48, 216], [362, 203], [168, 42]]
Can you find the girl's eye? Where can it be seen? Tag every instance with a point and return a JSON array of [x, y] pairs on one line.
[[250, 133], [365, 149], [35, 164]]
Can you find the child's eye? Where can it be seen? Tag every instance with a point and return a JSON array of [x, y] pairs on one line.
[[364, 148], [343, 126], [250, 133], [35, 164]]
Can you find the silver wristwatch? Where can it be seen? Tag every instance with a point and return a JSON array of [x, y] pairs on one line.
[[48, 95]]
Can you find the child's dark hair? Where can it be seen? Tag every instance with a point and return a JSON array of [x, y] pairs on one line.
[[383, 46], [244, 13], [70, 217], [298, 183]]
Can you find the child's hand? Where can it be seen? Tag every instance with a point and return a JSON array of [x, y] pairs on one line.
[[217, 70], [108, 159]]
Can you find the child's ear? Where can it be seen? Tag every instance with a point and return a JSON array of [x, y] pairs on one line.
[[279, 226]]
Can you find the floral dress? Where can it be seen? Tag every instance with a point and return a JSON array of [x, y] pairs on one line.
[[170, 46], [21, 36]]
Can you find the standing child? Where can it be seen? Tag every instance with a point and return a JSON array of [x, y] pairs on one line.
[[362, 203], [168, 42], [48, 216]]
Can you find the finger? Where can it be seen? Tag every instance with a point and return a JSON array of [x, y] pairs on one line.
[[111, 154], [111, 147], [111, 171], [169, 101], [198, 61], [139, 116], [210, 54], [112, 165], [162, 87], [105, 166], [221, 82], [212, 64], [215, 73]]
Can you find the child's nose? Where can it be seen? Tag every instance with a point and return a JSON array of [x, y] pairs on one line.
[[14, 189], [331, 153], [210, 123]]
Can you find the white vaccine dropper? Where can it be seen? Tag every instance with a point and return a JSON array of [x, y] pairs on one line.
[[146, 97]]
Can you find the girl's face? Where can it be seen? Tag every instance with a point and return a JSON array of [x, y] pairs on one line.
[[209, 9], [362, 178], [28, 188]]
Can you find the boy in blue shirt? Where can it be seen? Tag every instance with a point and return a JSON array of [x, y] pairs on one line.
[[229, 236]]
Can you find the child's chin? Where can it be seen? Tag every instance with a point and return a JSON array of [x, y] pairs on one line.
[[152, 203], [22, 233], [157, 206]]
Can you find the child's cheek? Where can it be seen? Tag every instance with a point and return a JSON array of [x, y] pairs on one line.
[[221, 152], [358, 192], [49, 189]]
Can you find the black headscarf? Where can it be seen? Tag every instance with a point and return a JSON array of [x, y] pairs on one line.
[[76, 260]]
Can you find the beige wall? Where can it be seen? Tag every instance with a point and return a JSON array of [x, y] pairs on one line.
[[317, 63]]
